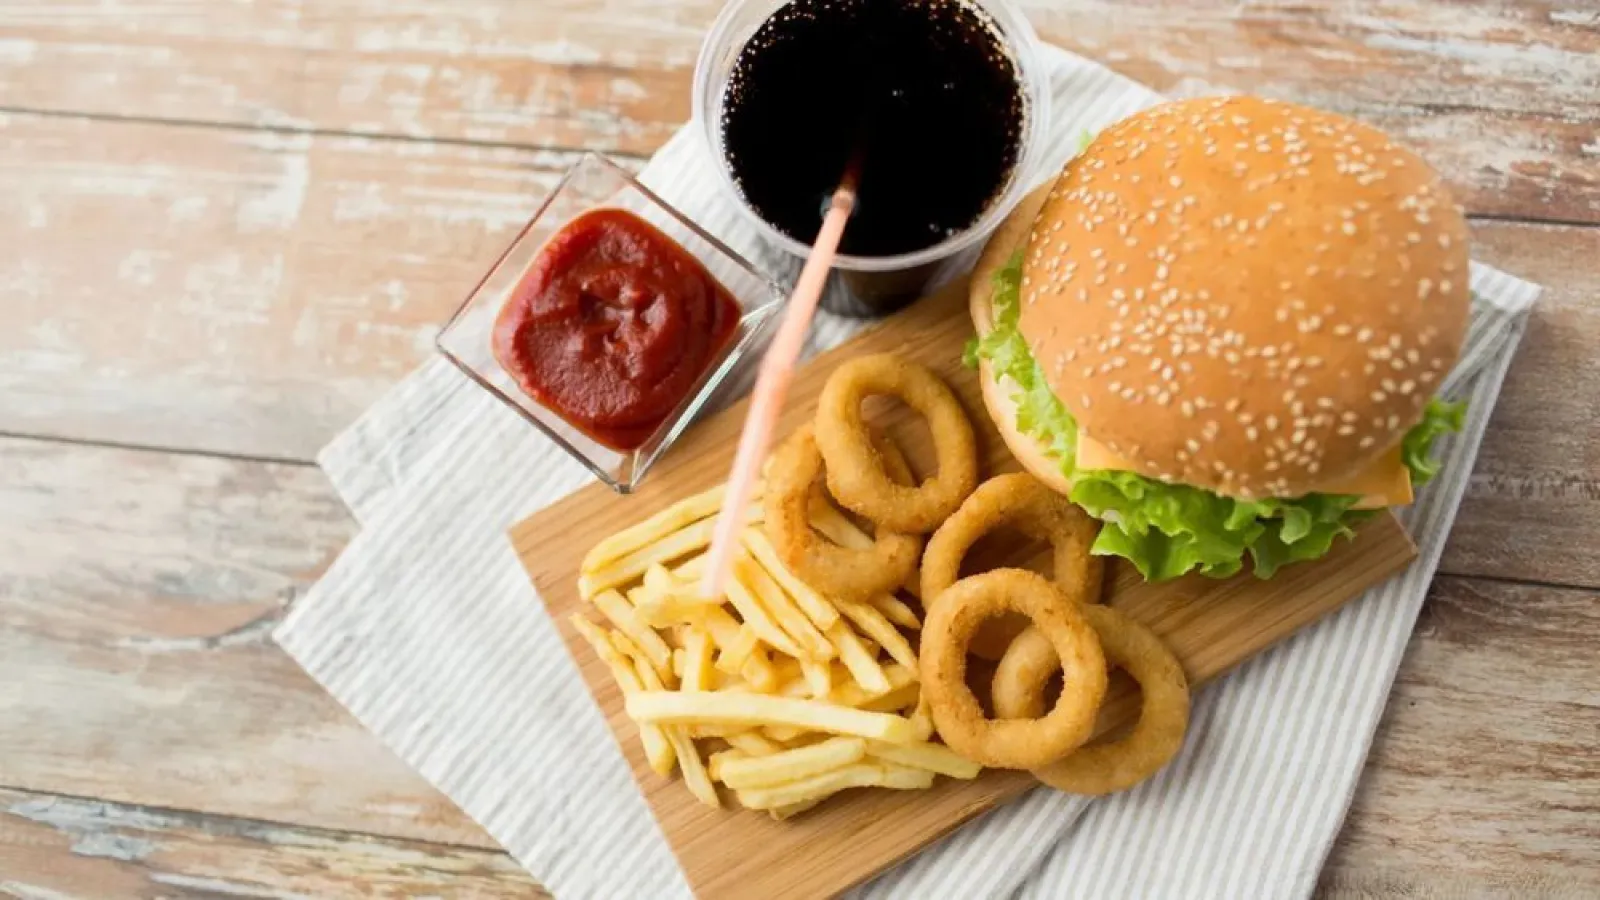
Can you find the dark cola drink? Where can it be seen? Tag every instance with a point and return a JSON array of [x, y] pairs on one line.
[[922, 93]]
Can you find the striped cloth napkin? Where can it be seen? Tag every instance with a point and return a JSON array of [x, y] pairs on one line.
[[427, 629]]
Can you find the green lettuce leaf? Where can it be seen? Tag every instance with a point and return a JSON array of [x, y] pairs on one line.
[[1167, 530], [1416, 448], [1039, 414]]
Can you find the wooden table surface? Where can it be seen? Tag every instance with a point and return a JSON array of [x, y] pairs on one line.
[[229, 226]]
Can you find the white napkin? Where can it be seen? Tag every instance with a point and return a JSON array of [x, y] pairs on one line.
[[427, 629]]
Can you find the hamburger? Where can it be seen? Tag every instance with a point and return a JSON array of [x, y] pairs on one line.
[[1220, 331]]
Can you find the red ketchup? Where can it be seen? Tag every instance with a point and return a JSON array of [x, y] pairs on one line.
[[612, 325]]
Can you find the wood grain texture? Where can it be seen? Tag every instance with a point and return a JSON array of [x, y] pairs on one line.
[[137, 596], [64, 847], [1210, 625], [1498, 94], [233, 291], [1485, 775], [1532, 509]]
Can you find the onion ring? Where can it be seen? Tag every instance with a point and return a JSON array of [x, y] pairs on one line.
[[1163, 714], [1022, 501], [857, 477], [953, 619], [845, 573]]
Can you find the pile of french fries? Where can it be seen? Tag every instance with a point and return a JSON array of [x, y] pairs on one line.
[[804, 695]]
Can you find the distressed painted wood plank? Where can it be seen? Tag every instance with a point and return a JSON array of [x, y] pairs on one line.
[[556, 73], [1499, 95], [1484, 779], [235, 291], [137, 593], [57, 847], [1532, 509]]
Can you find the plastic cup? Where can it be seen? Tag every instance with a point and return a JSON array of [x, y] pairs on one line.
[[869, 286]]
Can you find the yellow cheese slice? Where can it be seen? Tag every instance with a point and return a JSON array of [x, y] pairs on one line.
[[1387, 482]]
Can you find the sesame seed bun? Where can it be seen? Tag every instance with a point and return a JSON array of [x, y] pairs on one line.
[[1243, 295]]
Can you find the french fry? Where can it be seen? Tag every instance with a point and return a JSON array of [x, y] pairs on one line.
[[922, 718], [783, 610], [648, 676], [783, 734], [673, 607], [691, 569], [759, 672], [792, 765], [900, 683], [936, 758], [625, 619], [695, 776], [658, 580], [658, 751], [723, 628], [643, 534], [780, 813], [688, 758], [787, 669], [881, 630], [736, 650], [715, 761], [818, 677], [836, 526], [673, 546], [714, 730], [674, 708], [819, 611], [904, 778], [757, 618], [894, 701], [695, 675], [862, 663], [751, 743], [677, 664], [895, 610], [832, 782]]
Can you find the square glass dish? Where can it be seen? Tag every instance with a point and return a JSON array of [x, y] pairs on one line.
[[596, 182]]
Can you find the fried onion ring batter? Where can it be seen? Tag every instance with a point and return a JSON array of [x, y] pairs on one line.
[[845, 573], [1019, 684], [1023, 502], [857, 476], [952, 620]]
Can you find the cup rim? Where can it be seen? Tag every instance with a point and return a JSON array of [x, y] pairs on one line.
[[1020, 39]]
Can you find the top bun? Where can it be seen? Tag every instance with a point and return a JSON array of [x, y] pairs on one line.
[[1245, 295]]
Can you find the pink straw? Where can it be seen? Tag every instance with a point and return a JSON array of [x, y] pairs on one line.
[[772, 385]]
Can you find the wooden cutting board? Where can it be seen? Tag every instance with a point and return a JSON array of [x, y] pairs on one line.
[[1211, 625]]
